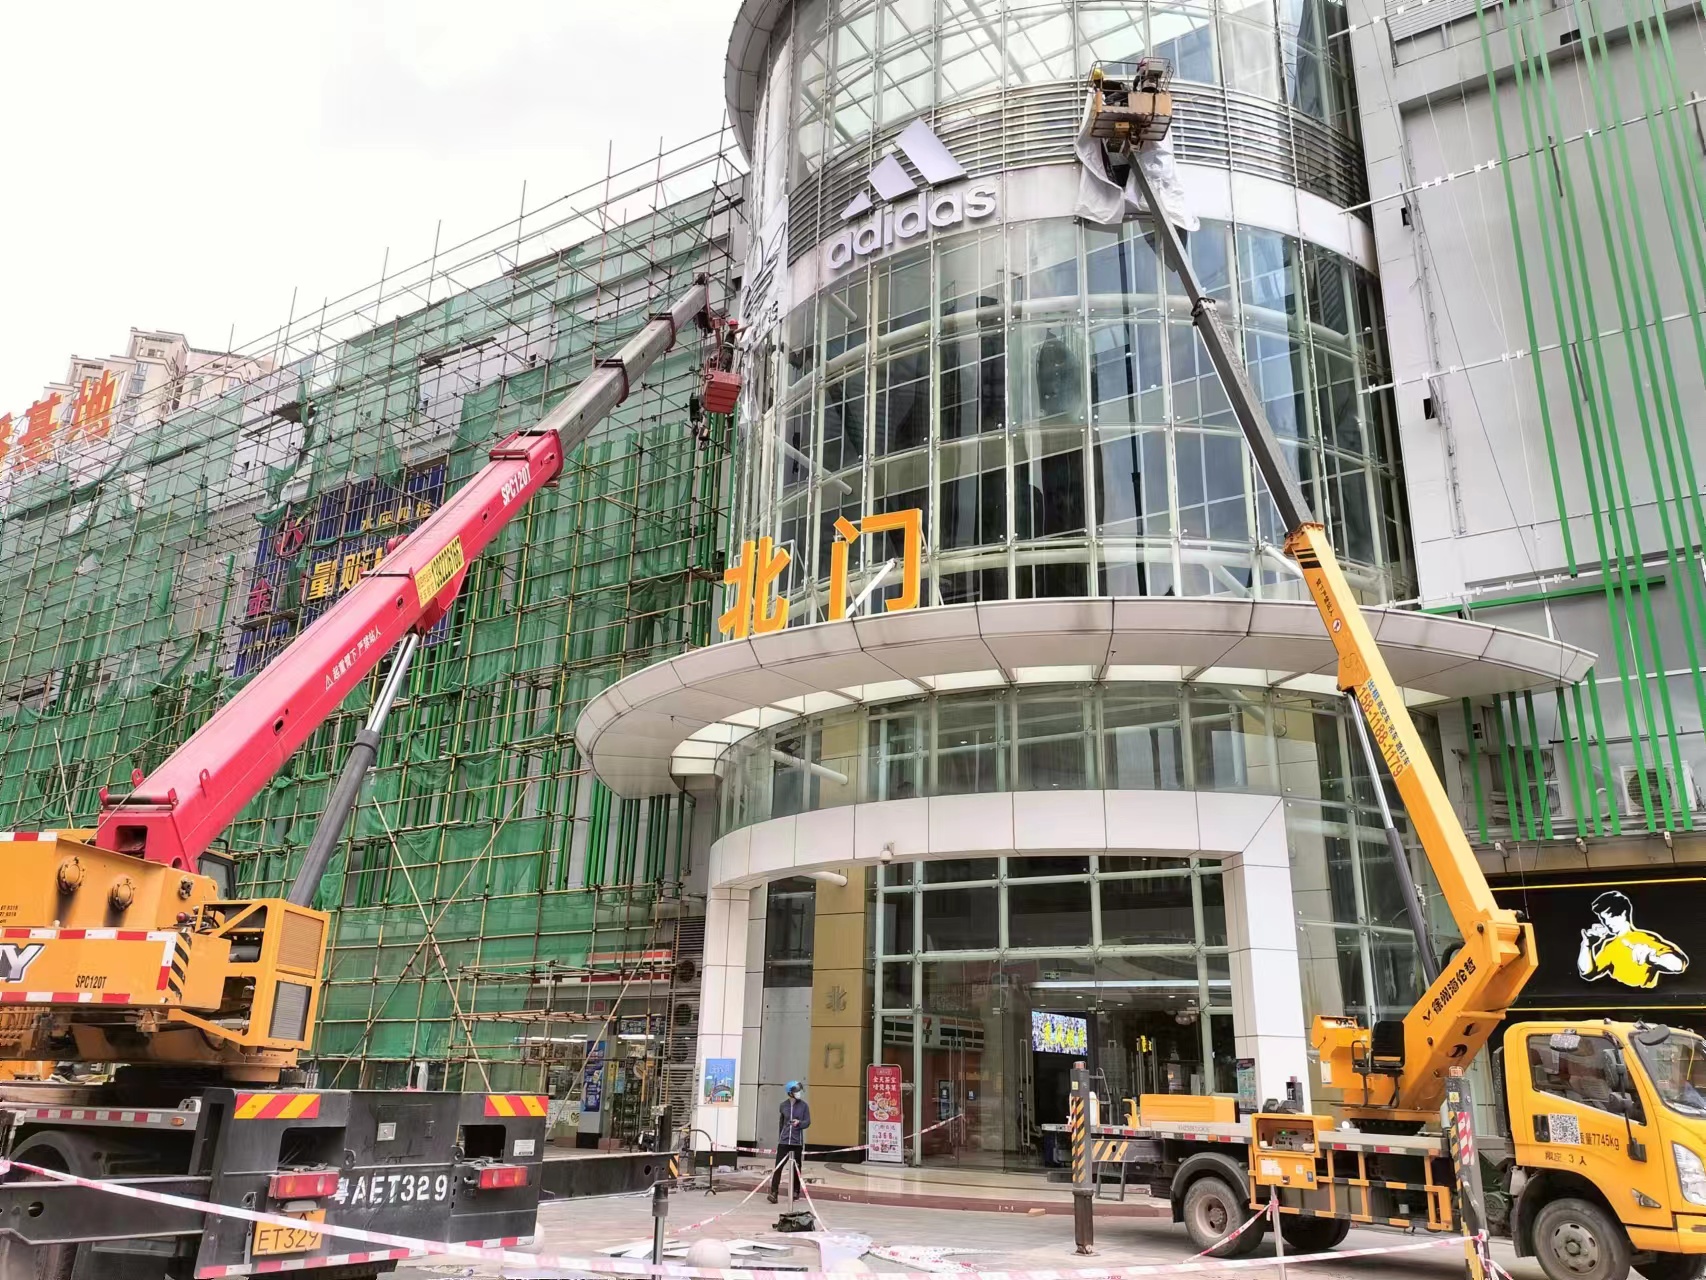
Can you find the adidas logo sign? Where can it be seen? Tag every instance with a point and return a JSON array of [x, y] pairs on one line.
[[937, 207]]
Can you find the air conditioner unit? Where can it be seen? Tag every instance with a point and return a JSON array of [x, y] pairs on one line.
[[1499, 798], [1659, 784]]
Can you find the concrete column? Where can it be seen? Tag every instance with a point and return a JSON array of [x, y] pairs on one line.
[[722, 1007], [1267, 1009], [841, 1017]]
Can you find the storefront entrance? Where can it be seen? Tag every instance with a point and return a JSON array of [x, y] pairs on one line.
[[986, 1043]]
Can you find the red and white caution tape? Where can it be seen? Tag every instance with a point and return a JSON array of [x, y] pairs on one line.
[[839, 1151], [484, 1252]]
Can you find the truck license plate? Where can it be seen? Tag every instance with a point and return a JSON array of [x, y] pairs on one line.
[[274, 1239]]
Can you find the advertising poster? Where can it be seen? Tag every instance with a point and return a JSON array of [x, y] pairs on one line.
[[1613, 943], [719, 1082], [883, 1123], [592, 1080]]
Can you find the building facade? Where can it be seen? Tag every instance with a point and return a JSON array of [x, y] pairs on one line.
[[1536, 184], [1029, 747], [501, 921]]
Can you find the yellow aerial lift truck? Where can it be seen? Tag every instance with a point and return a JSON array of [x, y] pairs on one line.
[[1606, 1166]]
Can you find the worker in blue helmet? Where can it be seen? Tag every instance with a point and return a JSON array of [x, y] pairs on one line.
[[794, 1119]]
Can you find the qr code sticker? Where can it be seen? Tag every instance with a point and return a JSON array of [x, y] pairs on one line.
[[1565, 1129]]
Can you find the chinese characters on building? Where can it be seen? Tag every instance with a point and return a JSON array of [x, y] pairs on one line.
[[755, 608], [50, 424], [320, 550]]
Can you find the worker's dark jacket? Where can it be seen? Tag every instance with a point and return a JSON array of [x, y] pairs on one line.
[[796, 1118]]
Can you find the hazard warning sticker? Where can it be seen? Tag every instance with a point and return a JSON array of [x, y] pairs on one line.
[[432, 576]]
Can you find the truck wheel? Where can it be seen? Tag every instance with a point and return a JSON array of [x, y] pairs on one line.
[[1577, 1240], [1313, 1235], [20, 1261], [1212, 1211], [1673, 1266]]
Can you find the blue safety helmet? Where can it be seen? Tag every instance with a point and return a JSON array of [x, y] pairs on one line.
[[793, 1086]]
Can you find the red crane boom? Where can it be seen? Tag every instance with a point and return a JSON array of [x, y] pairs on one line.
[[174, 813]]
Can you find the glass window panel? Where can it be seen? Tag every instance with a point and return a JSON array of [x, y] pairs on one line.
[[1213, 909], [970, 48], [1048, 483], [961, 920], [905, 20], [1383, 899], [1275, 362], [1250, 57], [906, 83], [1305, 70], [855, 36], [1397, 973], [1109, 33], [796, 447], [1198, 394], [969, 274], [1350, 521], [1148, 911], [794, 535], [903, 292], [971, 749], [1045, 265], [1127, 570], [802, 342], [1224, 1044], [793, 788], [973, 382], [898, 485], [1054, 578], [894, 765], [950, 870], [843, 497], [972, 497], [897, 983], [1210, 250], [902, 419], [1131, 484], [844, 421], [1122, 271], [1028, 868], [1269, 279], [846, 317], [1125, 373], [1039, 44], [1185, 37], [1048, 373], [854, 107], [1336, 399], [1331, 961], [1054, 743], [897, 924], [1142, 743], [1212, 502], [1049, 915], [973, 585], [1230, 744]]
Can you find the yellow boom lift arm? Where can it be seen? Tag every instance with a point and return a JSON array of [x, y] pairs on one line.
[[1393, 1073]]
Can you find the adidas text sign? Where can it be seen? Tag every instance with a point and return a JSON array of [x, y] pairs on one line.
[[890, 223]]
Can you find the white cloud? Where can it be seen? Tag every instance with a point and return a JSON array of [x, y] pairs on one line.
[[188, 165]]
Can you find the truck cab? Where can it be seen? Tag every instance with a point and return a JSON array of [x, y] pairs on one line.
[[1608, 1133]]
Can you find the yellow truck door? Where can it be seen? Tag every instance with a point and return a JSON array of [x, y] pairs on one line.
[[1574, 1107]]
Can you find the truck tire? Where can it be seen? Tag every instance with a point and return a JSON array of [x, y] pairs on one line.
[[1577, 1240], [1313, 1235], [1212, 1210], [21, 1261], [1673, 1266]]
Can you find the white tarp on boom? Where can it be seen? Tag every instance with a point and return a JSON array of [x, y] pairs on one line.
[[1101, 199]]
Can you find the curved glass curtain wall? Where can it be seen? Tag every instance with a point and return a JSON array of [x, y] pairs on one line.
[[859, 65], [1055, 416], [1355, 950]]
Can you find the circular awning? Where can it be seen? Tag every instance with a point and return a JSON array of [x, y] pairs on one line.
[[675, 718]]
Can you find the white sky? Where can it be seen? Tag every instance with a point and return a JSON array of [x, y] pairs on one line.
[[186, 165]]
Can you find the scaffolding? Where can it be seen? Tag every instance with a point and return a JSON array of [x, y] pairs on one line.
[[489, 888]]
